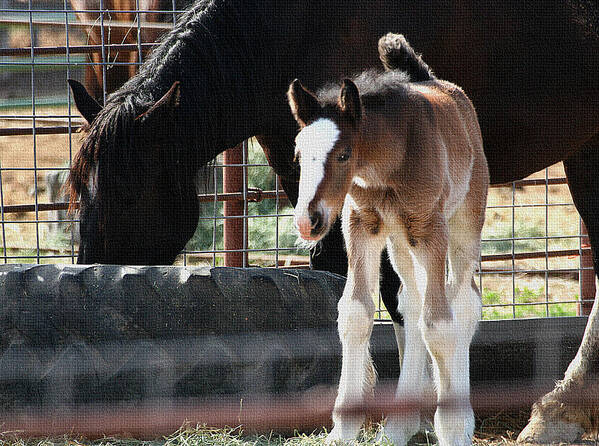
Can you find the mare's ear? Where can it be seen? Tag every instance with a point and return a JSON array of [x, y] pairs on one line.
[[302, 102], [165, 105], [349, 101], [87, 106]]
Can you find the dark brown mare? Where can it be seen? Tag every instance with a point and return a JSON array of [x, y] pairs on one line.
[[401, 152], [530, 68]]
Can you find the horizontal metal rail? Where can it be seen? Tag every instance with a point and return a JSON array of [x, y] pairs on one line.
[[72, 63], [95, 11], [204, 251], [50, 130], [42, 118], [554, 271], [537, 304], [533, 255], [89, 23], [253, 194], [285, 260], [263, 413], [529, 205], [535, 182], [256, 195], [31, 169], [75, 49]]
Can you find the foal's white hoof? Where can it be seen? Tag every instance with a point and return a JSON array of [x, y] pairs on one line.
[[342, 436], [334, 438], [394, 436], [399, 430], [454, 430]]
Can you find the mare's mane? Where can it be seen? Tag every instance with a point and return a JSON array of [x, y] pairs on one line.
[[189, 53]]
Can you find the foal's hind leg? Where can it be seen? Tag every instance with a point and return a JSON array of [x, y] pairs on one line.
[[356, 312], [454, 424], [447, 322], [413, 379], [449, 341]]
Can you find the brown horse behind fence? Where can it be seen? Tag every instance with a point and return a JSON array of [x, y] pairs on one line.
[[402, 153], [120, 64]]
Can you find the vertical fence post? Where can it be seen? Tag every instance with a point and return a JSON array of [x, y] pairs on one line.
[[233, 227], [587, 276]]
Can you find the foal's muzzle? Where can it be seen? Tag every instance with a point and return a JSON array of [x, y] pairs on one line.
[[310, 227]]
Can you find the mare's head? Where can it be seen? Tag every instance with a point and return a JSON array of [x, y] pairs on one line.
[[133, 179], [325, 149]]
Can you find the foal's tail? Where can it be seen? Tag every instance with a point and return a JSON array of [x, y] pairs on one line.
[[397, 54]]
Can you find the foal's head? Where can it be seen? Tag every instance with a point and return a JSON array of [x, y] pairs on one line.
[[325, 150]]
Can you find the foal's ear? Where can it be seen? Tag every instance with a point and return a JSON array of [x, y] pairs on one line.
[[349, 101], [166, 104], [87, 106], [302, 102]]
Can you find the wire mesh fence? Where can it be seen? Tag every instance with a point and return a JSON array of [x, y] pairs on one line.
[[535, 257]]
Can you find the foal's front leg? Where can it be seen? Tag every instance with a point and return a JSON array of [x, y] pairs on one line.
[[356, 312]]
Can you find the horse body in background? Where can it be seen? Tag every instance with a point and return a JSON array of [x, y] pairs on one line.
[[221, 76], [402, 153], [121, 65]]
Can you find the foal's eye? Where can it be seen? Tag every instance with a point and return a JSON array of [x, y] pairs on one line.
[[344, 156]]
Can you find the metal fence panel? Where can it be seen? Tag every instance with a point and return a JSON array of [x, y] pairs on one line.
[[535, 256]]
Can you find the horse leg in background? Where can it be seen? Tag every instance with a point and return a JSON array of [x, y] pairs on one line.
[[414, 362], [356, 316], [571, 408], [390, 284]]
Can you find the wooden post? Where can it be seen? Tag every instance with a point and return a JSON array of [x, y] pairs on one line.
[[233, 227], [587, 277]]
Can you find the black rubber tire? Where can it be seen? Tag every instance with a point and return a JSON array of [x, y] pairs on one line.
[[73, 335]]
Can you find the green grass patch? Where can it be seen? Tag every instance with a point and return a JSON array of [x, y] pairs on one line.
[[505, 246], [491, 297], [502, 307]]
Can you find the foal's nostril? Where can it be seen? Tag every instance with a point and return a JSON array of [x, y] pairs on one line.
[[316, 221]]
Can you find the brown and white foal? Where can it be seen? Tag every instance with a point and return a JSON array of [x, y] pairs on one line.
[[402, 160]]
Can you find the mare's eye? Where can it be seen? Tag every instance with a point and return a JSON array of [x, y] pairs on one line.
[[344, 156]]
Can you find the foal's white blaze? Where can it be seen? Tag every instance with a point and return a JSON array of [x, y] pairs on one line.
[[313, 143]]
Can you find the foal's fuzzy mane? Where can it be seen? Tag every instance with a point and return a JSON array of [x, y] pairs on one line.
[[370, 83], [402, 65]]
